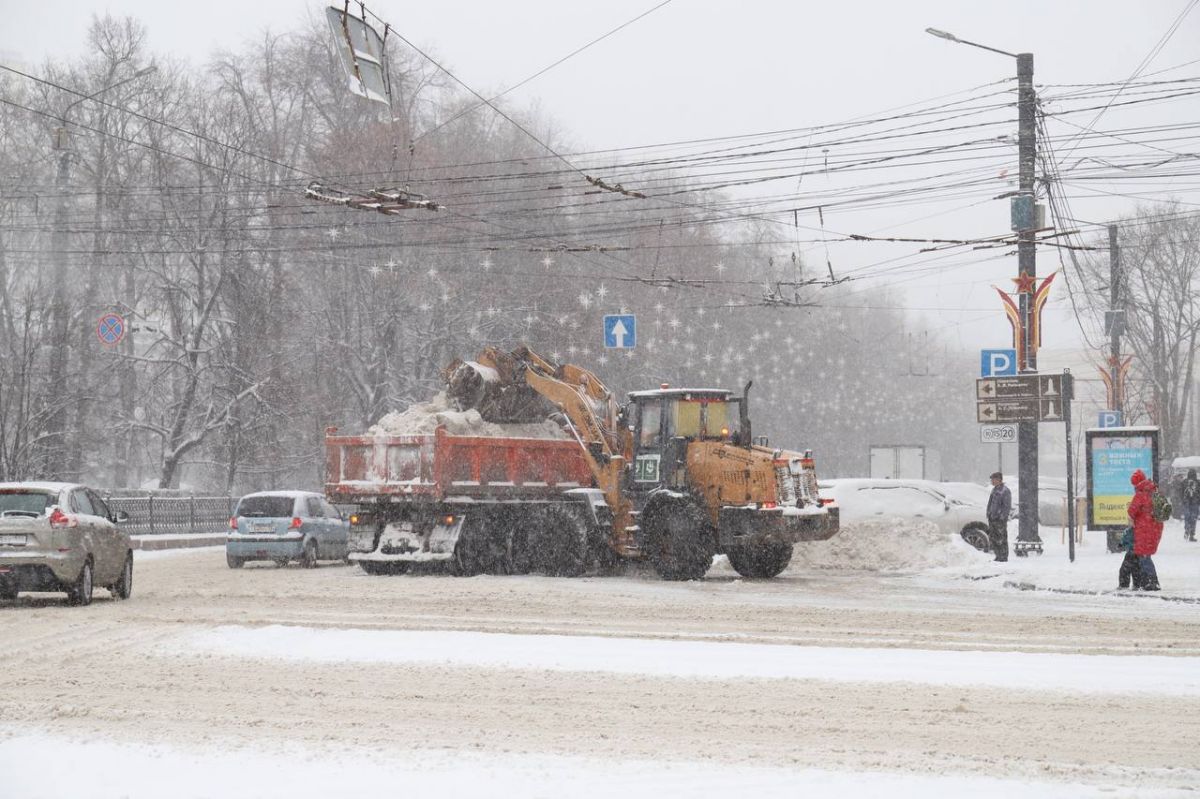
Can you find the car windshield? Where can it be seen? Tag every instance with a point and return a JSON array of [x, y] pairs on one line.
[[265, 507], [25, 501]]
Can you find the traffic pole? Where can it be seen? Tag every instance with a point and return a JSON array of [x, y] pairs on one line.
[[1027, 432]]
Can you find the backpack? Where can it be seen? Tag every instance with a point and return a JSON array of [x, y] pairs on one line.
[[1160, 508]]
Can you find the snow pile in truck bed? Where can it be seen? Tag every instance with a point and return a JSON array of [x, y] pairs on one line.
[[888, 544], [423, 418]]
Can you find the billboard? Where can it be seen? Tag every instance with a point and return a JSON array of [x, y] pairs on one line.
[[1113, 453]]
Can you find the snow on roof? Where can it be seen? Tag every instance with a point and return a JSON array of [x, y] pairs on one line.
[[667, 392], [1186, 462]]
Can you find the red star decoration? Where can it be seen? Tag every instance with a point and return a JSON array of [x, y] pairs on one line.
[[1024, 283]]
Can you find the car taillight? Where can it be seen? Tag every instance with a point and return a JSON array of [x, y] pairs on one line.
[[60, 519], [769, 505], [232, 522], [295, 525]]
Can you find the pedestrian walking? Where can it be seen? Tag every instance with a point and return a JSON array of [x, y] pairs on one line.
[[999, 508], [1190, 498], [1130, 573], [1147, 530]]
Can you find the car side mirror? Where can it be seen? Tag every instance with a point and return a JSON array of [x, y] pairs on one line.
[[120, 517]]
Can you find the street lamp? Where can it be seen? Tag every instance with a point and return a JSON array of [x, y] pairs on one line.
[[1027, 445]]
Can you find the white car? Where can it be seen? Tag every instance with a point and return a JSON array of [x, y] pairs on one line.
[[956, 508]]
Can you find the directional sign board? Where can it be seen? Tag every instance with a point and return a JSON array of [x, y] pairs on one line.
[[997, 363], [998, 433], [1025, 398], [620, 331]]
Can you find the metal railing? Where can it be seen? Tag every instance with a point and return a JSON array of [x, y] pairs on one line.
[[151, 515]]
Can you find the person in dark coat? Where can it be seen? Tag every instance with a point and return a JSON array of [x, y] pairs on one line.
[[1189, 497], [999, 508], [1130, 573], [1147, 531]]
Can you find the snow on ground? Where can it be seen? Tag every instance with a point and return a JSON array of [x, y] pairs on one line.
[[140, 555], [102, 769], [1107, 674], [1094, 569], [887, 544]]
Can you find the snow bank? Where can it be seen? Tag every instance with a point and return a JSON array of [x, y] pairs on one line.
[[887, 544], [698, 660], [423, 418], [34, 769]]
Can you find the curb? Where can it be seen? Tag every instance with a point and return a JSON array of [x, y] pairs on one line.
[[168, 542]]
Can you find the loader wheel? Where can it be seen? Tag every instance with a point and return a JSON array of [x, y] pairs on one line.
[[679, 540], [560, 544], [761, 557]]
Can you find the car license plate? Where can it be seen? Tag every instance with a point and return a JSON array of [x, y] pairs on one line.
[[262, 527], [12, 540]]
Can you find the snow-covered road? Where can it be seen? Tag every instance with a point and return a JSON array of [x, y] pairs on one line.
[[931, 677]]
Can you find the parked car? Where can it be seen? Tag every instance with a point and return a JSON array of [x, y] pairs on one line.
[[286, 525], [956, 508], [62, 537]]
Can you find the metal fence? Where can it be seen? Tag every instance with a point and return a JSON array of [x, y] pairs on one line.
[[153, 515]]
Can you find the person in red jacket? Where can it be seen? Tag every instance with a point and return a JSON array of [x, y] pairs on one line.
[[1147, 531]]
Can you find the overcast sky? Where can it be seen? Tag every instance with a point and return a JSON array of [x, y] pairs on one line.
[[693, 69]]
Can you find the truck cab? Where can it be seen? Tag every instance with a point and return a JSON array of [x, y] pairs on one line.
[[663, 423]]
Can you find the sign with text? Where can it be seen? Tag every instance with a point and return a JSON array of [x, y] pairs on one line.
[[1112, 456], [1024, 398], [1109, 419]]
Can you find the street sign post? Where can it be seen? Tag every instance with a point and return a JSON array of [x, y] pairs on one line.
[[1024, 398], [620, 331], [110, 329], [997, 363], [998, 433]]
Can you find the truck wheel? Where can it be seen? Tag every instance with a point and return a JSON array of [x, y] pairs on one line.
[[474, 552], [976, 534], [679, 540], [234, 562], [561, 543], [375, 568], [761, 557]]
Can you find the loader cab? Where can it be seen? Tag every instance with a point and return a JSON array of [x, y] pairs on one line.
[[664, 421]]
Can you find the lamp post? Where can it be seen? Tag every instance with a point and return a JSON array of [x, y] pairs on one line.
[[59, 313], [1027, 433]]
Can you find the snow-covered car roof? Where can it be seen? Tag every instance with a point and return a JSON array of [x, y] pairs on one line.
[[48, 487], [285, 493]]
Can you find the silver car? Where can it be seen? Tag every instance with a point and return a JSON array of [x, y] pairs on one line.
[[61, 537]]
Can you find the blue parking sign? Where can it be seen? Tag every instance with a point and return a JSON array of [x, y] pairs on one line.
[[997, 363], [620, 331]]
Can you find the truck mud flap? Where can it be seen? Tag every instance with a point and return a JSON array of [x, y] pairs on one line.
[[405, 541]]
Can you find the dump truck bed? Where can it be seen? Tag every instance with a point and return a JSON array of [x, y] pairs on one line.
[[441, 466]]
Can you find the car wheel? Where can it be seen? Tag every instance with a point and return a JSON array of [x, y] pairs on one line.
[[80, 592], [123, 588], [308, 558], [8, 592], [976, 534], [234, 561]]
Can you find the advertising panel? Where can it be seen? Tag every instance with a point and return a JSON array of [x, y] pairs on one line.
[[1113, 454]]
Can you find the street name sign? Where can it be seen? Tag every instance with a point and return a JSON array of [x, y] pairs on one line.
[[998, 433]]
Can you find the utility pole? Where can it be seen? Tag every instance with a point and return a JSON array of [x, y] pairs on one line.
[[1027, 432], [1115, 326]]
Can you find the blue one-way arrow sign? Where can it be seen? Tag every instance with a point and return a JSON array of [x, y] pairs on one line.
[[620, 331]]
